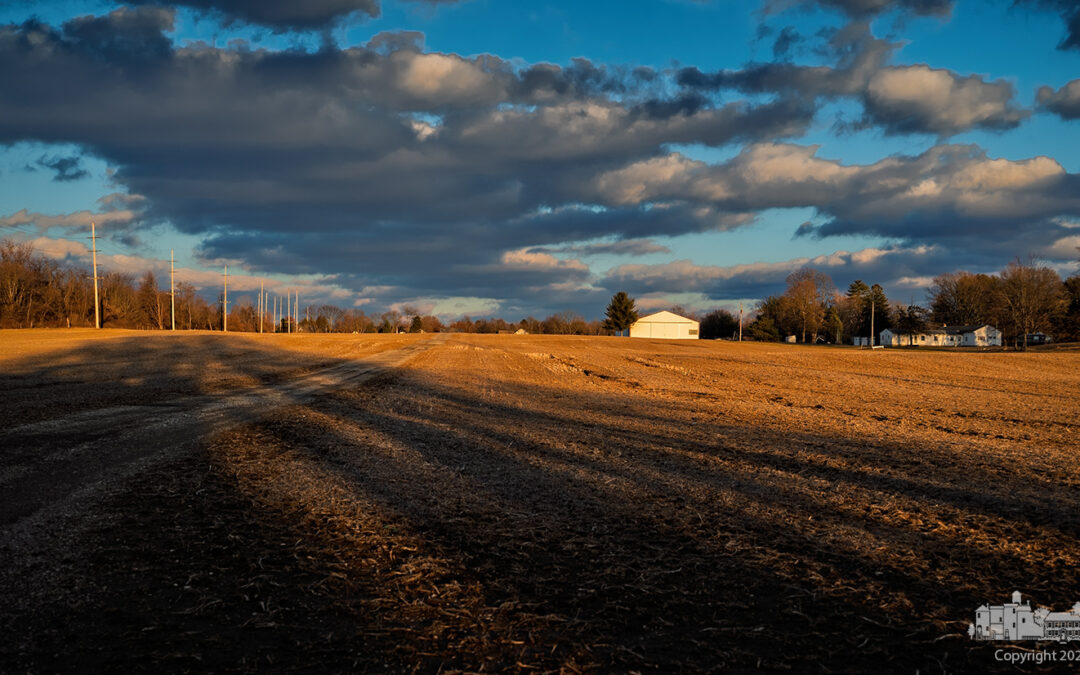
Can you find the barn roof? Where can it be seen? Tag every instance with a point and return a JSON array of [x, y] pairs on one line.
[[665, 317]]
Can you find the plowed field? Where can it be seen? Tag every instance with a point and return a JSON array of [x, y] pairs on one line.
[[522, 503]]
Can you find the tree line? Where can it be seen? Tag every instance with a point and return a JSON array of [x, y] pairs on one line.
[[1024, 299], [37, 291]]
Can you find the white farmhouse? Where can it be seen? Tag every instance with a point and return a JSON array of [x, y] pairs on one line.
[[665, 325], [946, 336]]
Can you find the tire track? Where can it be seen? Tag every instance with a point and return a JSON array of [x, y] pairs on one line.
[[48, 464]]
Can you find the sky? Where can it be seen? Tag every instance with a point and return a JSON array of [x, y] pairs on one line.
[[498, 158]]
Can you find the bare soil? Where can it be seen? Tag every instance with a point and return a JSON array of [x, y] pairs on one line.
[[524, 503]]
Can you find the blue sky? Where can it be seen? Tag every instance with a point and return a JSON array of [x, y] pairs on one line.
[[516, 158]]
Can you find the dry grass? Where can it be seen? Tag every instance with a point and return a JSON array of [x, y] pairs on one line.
[[547, 503]]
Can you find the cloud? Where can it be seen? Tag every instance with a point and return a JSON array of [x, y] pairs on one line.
[[785, 41], [920, 99], [117, 219], [384, 158], [622, 247], [1070, 14], [868, 8], [280, 15], [897, 99], [78, 220], [950, 193], [1065, 102], [523, 259], [434, 175], [893, 266], [205, 280], [66, 168]]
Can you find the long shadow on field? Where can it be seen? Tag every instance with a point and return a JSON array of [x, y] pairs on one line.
[[173, 568], [650, 549], [141, 370], [70, 418], [409, 523]]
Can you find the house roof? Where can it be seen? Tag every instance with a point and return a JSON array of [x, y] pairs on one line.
[[943, 330], [664, 317], [963, 329]]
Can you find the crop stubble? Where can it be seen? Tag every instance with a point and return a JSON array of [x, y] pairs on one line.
[[520, 502]]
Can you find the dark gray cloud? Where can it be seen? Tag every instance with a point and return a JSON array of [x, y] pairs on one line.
[[1070, 14], [65, 169], [948, 194], [350, 109], [422, 174], [423, 169], [785, 41], [898, 99], [868, 8], [904, 272], [1064, 102], [622, 247], [280, 15]]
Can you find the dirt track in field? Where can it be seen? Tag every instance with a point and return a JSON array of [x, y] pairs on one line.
[[53, 460], [520, 503]]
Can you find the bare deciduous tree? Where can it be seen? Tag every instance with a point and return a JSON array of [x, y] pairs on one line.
[[808, 293], [1032, 295]]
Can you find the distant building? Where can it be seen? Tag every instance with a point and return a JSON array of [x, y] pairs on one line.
[[665, 325], [1037, 339], [946, 336], [1017, 620]]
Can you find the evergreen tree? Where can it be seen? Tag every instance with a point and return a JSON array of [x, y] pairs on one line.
[[769, 324], [862, 301], [911, 319], [764, 329], [881, 308], [620, 313], [1068, 323], [417, 325], [719, 324]]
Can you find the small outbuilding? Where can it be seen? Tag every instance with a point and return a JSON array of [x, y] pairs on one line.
[[665, 325]]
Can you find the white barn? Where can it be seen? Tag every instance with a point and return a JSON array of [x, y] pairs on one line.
[[665, 325], [946, 336]]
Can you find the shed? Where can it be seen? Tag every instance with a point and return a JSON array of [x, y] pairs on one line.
[[665, 325]]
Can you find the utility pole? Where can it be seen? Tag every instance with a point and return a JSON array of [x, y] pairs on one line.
[[740, 322], [288, 310], [97, 302], [262, 303], [871, 323], [225, 304], [172, 285]]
